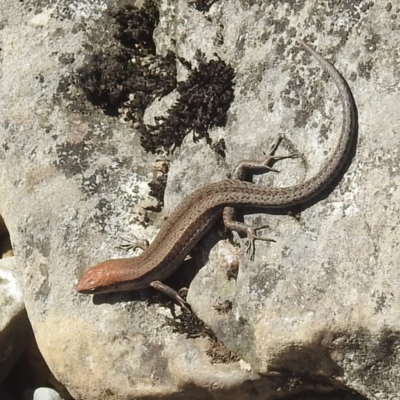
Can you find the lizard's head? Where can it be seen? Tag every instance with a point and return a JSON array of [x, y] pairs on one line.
[[113, 276], [96, 279]]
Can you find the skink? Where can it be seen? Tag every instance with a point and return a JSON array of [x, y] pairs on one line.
[[194, 216]]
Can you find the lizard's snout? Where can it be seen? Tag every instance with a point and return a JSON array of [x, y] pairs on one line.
[[92, 280]]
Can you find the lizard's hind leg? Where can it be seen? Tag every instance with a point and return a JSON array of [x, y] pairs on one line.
[[229, 214]]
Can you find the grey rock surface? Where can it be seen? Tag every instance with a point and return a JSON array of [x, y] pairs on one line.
[[15, 330], [319, 309]]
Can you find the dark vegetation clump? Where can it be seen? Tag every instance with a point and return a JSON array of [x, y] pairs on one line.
[[136, 27], [203, 5], [129, 77], [105, 80], [153, 77], [157, 188], [193, 327], [189, 324], [110, 76], [205, 98], [219, 147]]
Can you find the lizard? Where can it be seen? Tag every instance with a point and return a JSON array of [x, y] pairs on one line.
[[197, 213]]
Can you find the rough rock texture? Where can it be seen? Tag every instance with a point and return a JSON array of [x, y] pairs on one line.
[[15, 330], [319, 309]]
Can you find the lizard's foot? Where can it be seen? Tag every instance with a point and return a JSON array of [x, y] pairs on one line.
[[247, 165], [252, 237], [229, 218], [163, 288], [134, 244], [271, 157]]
